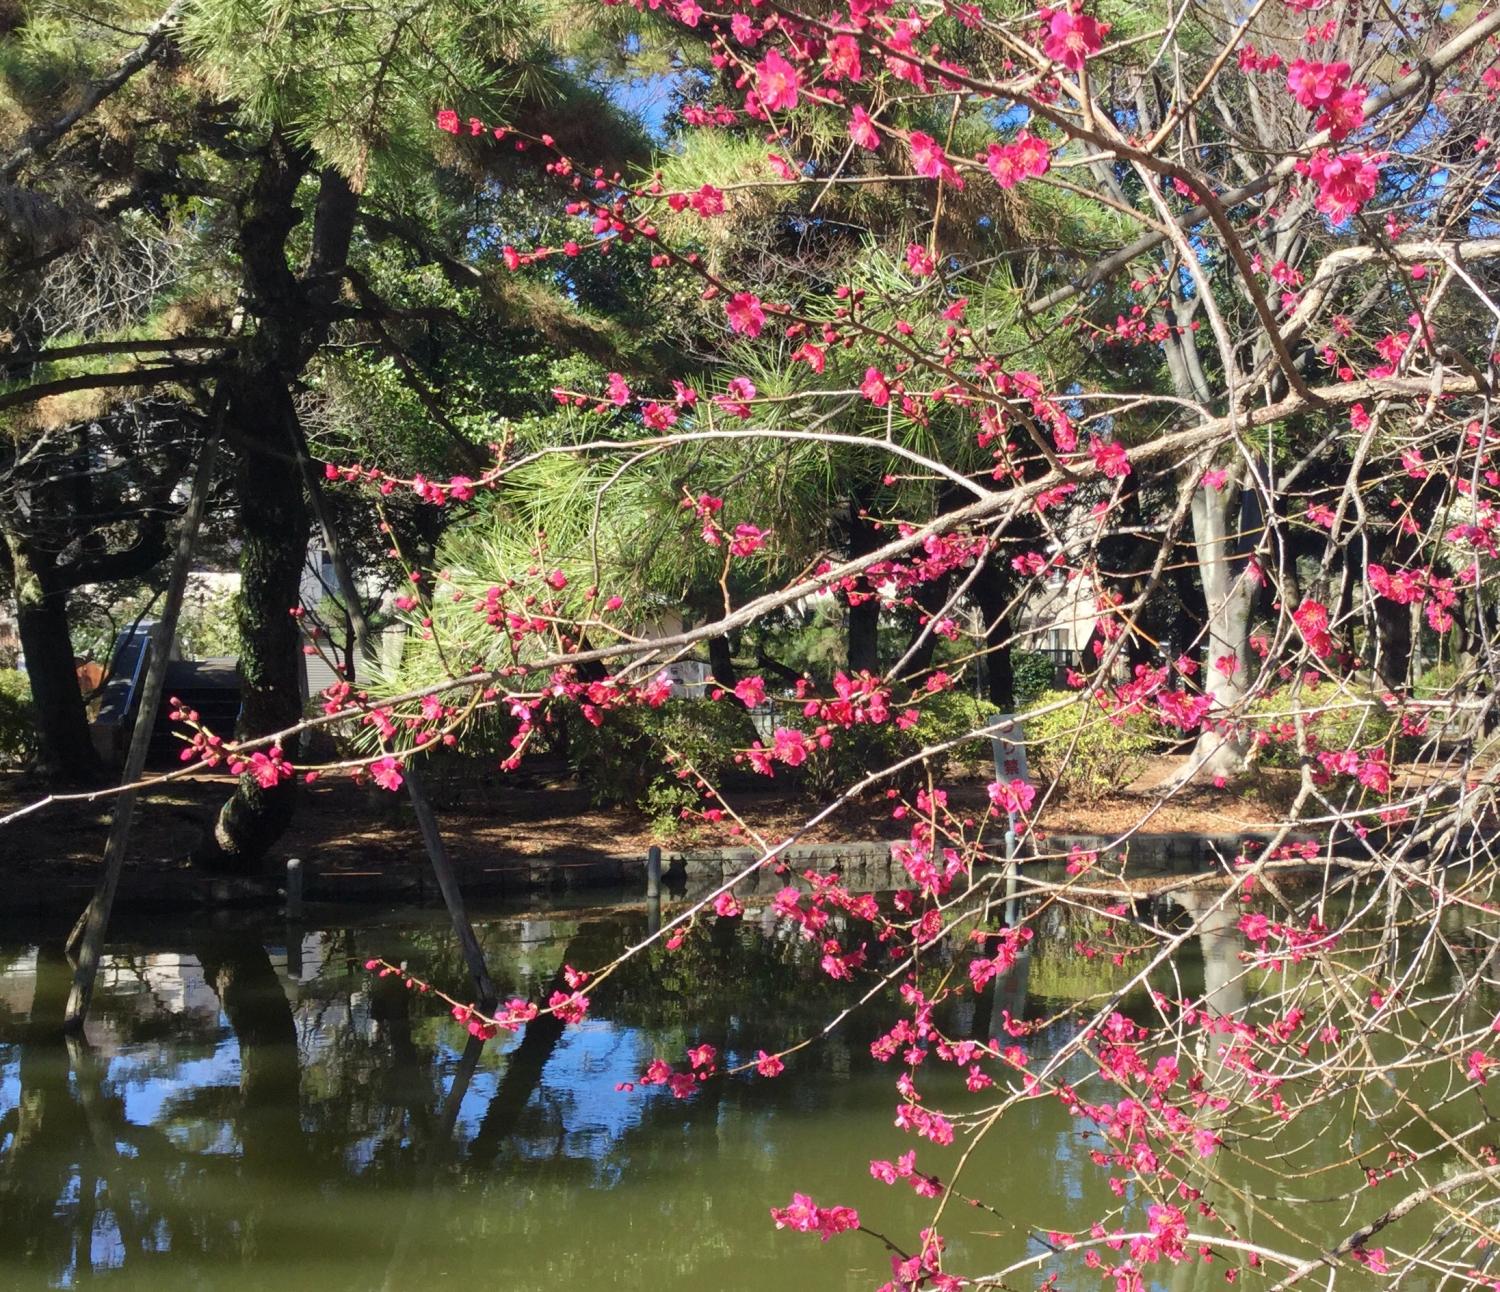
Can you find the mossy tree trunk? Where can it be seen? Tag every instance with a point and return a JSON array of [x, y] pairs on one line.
[[273, 537], [292, 313], [67, 752]]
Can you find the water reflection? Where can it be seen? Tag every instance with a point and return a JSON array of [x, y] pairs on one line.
[[250, 1109], [242, 1111], [1216, 920]]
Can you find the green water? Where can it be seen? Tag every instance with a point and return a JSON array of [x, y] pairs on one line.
[[251, 1110]]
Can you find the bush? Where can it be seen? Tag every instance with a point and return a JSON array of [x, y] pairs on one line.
[[1334, 719], [951, 715], [1437, 680], [866, 748], [1085, 750], [1446, 682], [17, 718], [1032, 672], [625, 760]]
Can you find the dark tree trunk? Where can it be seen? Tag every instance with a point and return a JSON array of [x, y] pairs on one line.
[[991, 591], [1193, 610], [721, 663], [67, 752], [262, 425], [273, 536], [1139, 648], [862, 637], [1393, 643], [931, 598], [1002, 679]]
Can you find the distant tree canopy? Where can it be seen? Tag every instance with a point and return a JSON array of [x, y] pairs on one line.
[[233, 222]]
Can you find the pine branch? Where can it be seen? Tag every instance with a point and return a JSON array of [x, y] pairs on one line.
[[104, 380], [88, 348], [41, 137]]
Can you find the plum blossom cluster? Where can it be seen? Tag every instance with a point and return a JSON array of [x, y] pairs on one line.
[[805, 1216]]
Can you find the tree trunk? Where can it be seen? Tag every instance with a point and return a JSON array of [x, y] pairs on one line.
[[262, 425], [62, 724], [931, 597], [863, 635], [991, 592], [273, 535], [1393, 643], [1227, 594], [721, 663]]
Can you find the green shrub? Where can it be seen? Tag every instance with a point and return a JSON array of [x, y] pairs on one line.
[[1086, 751], [17, 718], [625, 759], [866, 748], [664, 802], [1437, 681], [1448, 721], [1334, 719], [1032, 672], [951, 715]]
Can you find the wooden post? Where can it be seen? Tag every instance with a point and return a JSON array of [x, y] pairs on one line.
[[432, 837], [294, 880], [653, 890], [95, 920]]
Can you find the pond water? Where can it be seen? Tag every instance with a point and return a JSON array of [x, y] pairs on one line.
[[252, 1110]]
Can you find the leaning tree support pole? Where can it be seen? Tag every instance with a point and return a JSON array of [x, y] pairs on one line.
[[89, 933], [432, 837]]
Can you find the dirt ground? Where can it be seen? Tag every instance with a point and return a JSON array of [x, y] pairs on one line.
[[347, 827]]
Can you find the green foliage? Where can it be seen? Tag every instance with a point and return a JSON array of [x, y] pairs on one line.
[[17, 720], [45, 55], [1438, 681], [628, 759], [1088, 752], [209, 625], [1033, 672], [641, 757], [860, 750], [1333, 718]]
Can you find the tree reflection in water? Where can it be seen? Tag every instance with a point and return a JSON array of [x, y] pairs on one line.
[[229, 1124]]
